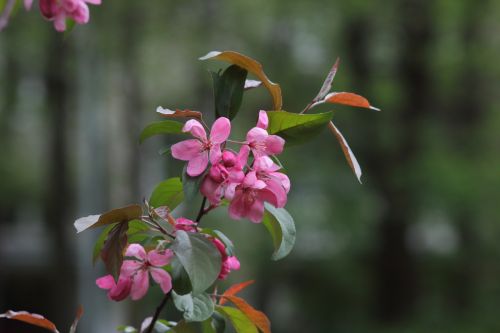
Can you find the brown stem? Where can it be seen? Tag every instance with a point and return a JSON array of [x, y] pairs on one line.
[[202, 210], [157, 313]]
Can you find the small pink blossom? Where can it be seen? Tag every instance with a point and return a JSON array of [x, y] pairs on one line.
[[229, 263], [138, 269], [202, 149], [228, 169], [249, 197], [60, 10], [28, 4], [185, 224], [116, 291], [276, 182], [260, 142]]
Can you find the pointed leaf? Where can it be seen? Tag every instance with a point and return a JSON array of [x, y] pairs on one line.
[[229, 92], [161, 127], [327, 85], [114, 246], [297, 128], [350, 99], [180, 279], [200, 258], [167, 193], [253, 67], [197, 307], [167, 113], [281, 226], [123, 214], [234, 289], [349, 155], [30, 318], [257, 317], [241, 323]]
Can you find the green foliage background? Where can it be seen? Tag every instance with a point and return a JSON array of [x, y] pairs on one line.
[[413, 249]]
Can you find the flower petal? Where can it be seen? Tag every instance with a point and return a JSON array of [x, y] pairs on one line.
[[140, 285], [233, 263], [159, 259], [196, 129], [106, 282], [274, 145], [129, 267], [256, 211], [263, 121], [93, 2], [162, 278], [197, 165], [121, 290], [136, 250], [211, 189], [220, 130], [257, 134], [186, 150], [215, 154], [279, 193]]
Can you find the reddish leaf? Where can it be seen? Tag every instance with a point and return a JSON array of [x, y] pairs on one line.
[[351, 159], [123, 214], [257, 317], [79, 314], [234, 289], [350, 99], [253, 67], [167, 113], [30, 318], [327, 85], [114, 246]]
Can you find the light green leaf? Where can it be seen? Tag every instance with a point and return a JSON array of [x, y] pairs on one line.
[[197, 307], [240, 321], [297, 128], [281, 226], [167, 193], [161, 127], [200, 258]]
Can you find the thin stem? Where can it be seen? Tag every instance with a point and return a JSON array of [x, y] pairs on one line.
[[307, 107], [157, 313], [202, 210]]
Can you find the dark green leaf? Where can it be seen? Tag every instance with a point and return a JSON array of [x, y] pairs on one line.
[[240, 321], [281, 226], [161, 127], [180, 279], [123, 214], [229, 91], [167, 193], [114, 246], [197, 307], [191, 185], [200, 258], [297, 128]]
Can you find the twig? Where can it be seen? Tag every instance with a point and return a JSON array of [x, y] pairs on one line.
[[202, 210], [157, 313]]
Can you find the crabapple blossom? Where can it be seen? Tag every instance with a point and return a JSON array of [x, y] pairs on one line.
[[229, 263], [276, 182], [185, 224], [59, 10], [259, 140], [116, 291], [228, 169], [202, 149], [138, 269]]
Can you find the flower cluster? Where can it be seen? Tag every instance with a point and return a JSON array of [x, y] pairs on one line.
[[60, 10], [229, 175]]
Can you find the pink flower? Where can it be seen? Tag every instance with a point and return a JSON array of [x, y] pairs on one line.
[[276, 182], [138, 269], [198, 151], [59, 10], [260, 142], [229, 263], [117, 291], [228, 169], [28, 4], [249, 197], [187, 225]]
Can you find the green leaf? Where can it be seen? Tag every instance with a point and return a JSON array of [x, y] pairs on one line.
[[218, 323], [123, 214], [200, 258], [240, 321], [197, 307], [191, 185], [161, 127], [167, 193], [281, 226], [229, 91], [114, 246], [297, 128], [180, 279], [100, 243]]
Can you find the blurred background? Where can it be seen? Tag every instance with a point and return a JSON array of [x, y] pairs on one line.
[[413, 249]]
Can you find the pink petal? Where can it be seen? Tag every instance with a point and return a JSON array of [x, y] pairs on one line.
[[242, 157], [211, 189], [237, 208], [268, 196], [136, 250], [93, 2], [28, 4], [233, 263], [197, 165], [162, 278], [196, 129], [81, 13], [279, 192], [60, 22], [140, 285], [230, 191], [265, 164], [129, 267], [160, 259], [187, 150], [106, 282], [283, 179], [121, 290], [256, 211], [274, 145], [69, 5], [263, 121], [257, 134], [250, 179], [220, 130], [215, 154]]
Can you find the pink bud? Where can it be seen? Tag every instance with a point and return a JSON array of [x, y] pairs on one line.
[[228, 158]]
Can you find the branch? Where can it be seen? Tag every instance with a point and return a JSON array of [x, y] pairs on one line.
[[157, 313]]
